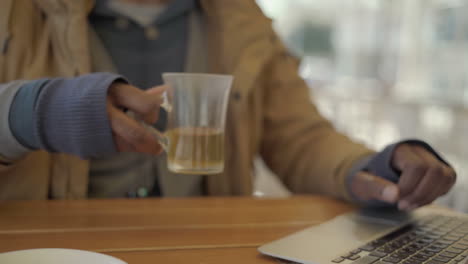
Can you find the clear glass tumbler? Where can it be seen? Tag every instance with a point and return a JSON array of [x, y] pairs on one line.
[[196, 106]]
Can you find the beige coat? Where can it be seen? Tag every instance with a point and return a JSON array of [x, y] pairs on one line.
[[270, 112]]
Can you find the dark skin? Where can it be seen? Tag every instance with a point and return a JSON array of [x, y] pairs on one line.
[[423, 179], [129, 134]]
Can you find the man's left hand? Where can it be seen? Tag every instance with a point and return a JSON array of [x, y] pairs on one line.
[[423, 179]]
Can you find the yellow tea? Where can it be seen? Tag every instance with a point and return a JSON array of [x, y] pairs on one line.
[[195, 150]]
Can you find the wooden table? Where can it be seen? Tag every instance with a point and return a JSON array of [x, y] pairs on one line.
[[140, 231]]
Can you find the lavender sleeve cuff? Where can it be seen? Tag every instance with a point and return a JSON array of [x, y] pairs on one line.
[[380, 164], [70, 116], [22, 112], [10, 148]]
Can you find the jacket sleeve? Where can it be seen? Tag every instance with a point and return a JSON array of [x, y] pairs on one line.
[[298, 144]]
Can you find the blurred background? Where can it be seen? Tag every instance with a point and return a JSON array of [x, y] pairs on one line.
[[382, 71]]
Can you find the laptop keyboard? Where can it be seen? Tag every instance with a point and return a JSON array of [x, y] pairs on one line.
[[433, 239]]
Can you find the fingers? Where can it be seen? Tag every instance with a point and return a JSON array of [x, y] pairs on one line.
[[423, 179], [130, 136], [438, 180], [425, 192], [449, 175], [144, 103], [412, 169], [367, 187], [122, 145]]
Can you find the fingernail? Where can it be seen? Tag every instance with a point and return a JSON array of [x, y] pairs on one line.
[[390, 194], [403, 205]]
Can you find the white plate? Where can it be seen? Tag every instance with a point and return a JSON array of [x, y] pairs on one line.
[[56, 256]]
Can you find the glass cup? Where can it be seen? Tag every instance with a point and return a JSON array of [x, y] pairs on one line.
[[194, 137]]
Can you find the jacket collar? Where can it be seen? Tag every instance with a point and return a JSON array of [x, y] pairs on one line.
[[76, 7], [5, 25], [240, 40], [169, 12]]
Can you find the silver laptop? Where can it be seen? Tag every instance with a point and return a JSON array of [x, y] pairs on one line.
[[428, 235]]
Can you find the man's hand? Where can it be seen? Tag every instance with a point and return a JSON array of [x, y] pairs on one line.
[[129, 135], [423, 179]]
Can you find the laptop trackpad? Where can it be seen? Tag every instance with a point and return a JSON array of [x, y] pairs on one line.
[[322, 243]]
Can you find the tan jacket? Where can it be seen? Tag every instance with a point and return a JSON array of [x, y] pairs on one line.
[[269, 113]]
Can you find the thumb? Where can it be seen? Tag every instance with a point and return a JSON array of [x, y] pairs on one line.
[[159, 89], [367, 186]]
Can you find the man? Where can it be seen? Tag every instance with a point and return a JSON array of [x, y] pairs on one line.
[[47, 121]]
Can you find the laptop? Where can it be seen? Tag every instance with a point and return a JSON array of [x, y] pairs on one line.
[[428, 235]]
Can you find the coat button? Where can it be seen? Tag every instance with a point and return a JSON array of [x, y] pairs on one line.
[[236, 96], [142, 192], [151, 33]]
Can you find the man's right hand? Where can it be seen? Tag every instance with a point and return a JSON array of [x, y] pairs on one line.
[[424, 178], [129, 135]]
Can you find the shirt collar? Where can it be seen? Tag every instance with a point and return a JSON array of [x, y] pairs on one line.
[[174, 9]]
